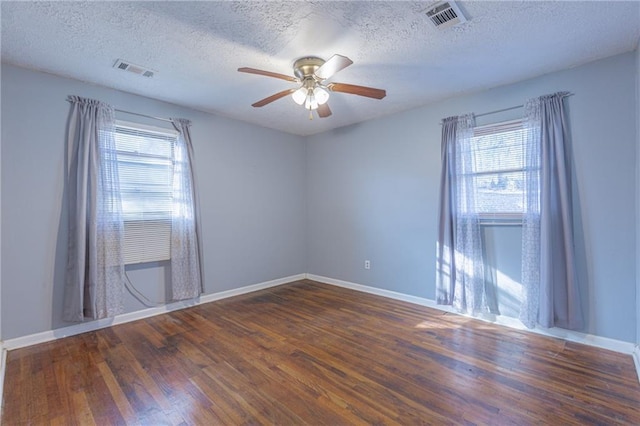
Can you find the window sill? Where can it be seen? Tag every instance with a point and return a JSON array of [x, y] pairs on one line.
[[501, 220]]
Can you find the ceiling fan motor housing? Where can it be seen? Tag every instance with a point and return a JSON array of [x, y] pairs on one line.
[[305, 68]]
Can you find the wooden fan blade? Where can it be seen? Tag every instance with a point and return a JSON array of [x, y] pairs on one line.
[[332, 66], [369, 92], [324, 111], [267, 73], [272, 98]]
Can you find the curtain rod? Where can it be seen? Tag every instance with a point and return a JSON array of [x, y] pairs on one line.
[[499, 110], [504, 109], [71, 99], [143, 115]]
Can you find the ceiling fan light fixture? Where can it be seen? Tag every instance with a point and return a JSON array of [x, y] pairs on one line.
[[311, 102], [300, 95], [321, 94]]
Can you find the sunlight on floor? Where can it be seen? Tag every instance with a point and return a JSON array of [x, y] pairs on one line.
[[431, 325]]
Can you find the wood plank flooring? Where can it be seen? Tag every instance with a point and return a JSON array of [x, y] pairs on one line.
[[309, 353]]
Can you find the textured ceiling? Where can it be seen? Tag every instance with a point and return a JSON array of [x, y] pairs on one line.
[[196, 48]]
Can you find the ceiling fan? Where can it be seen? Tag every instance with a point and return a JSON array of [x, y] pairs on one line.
[[311, 73]]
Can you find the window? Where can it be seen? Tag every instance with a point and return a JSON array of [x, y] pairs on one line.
[[498, 170], [145, 167]]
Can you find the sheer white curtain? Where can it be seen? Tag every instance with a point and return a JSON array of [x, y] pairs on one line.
[[460, 277], [531, 216], [95, 270], [550, 285], [186, 261]]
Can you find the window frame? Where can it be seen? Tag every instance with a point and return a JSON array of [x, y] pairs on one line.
[[499, 218], [146, 240]]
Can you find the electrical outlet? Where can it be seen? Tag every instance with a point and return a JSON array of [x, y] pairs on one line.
[[367, 264]]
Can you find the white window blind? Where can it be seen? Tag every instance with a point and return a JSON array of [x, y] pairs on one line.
[[145, 166], [498, 170]]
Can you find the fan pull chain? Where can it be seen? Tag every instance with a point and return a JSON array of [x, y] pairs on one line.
[[310, 114]]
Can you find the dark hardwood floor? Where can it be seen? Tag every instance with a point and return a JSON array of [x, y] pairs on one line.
[[309, 353]]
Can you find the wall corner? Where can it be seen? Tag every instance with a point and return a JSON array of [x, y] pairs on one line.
[[637, 200]]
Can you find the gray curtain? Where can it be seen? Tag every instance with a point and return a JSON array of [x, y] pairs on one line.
[[445, 271], [460, 275], [95, 270], [186, 245], [550, 283]]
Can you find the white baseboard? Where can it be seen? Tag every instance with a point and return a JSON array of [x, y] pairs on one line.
[[46, 336], [636, 359], [569, 335], [3, 366]]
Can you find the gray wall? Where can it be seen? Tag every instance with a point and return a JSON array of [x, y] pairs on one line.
[[373, 192], [638, 194], [274, 206], [1, 336], [251, 181]]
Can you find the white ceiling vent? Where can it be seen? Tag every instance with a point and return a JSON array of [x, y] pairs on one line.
[[445, 14], [136, 69]]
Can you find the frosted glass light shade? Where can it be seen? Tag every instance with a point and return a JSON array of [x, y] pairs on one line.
[[311, 102], [300, 95], [310, 97], [321, 94]]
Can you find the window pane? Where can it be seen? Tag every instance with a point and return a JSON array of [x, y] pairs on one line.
[[140, 142], [145, 169], [500, 192], [498, 163], [500, 151]]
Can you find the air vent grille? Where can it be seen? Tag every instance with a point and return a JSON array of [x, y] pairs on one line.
[[445, 14], [136, 69]]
